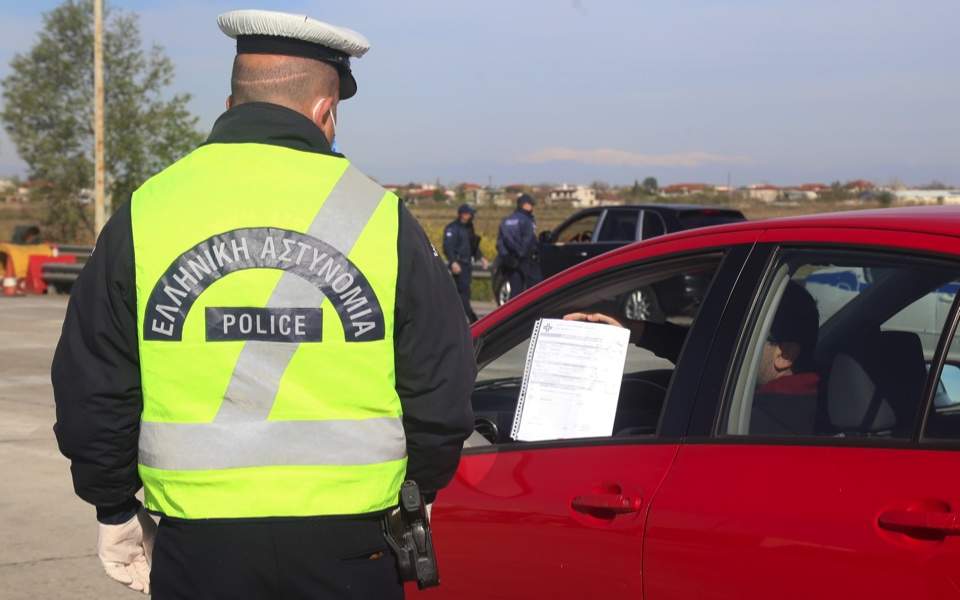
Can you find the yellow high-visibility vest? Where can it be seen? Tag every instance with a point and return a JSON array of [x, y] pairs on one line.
[[266, 282]]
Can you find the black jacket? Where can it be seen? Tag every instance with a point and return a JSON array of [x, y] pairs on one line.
[[461, 243], [96, 370], [517, 236]]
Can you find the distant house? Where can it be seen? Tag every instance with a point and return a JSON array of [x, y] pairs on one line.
[[473, 193], [8, 190], [685, 189], [859, 186], [927, 196], [799, 195], [579, 196], [418, 195], [763, 192]]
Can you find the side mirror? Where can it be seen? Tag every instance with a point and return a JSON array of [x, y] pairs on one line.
[[546, 236], [948, 390]]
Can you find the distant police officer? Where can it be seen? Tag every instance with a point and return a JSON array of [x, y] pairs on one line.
[[461, 245], [265, 340], [517, 247]]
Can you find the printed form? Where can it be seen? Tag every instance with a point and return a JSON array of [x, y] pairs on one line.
[[571, 382]]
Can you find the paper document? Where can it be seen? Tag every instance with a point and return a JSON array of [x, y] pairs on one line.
[[571, 382]]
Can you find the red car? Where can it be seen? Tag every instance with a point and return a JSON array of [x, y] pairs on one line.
[[744, 462]]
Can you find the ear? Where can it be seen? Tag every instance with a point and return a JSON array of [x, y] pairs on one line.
[[229, 102], [785, 355], [321, 111]]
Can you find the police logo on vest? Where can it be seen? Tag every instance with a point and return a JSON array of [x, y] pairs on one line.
[[304, 256]]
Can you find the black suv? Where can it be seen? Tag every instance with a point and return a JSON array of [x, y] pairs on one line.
[[594, 231]]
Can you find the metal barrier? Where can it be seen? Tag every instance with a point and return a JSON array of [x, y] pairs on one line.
[[62, 275]]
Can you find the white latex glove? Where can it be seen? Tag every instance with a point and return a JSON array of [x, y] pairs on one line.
[[126, 550]]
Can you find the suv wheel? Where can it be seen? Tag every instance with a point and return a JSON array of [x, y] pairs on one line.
[[503, 293]]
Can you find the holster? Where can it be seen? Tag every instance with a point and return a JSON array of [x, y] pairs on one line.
[[407, 531]]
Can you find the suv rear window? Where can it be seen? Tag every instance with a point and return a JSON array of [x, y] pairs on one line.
[[693, 219]]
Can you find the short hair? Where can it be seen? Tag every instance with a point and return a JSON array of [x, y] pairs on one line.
[[798, 321], [280, 79]]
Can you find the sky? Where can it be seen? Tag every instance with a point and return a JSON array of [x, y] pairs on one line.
[[504, 91]]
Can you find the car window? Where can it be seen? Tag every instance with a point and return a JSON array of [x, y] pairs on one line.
[[579, 231], [657, 303], [943, 421], [652, 225], [619, 226], [840, 346]]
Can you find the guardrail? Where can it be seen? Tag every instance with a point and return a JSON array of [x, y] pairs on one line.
[[61, 276]]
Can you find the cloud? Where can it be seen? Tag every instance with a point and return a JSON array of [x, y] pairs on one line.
[[610, 157]]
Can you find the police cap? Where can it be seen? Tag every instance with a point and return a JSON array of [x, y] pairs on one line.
[[466, 208], [271, 32]]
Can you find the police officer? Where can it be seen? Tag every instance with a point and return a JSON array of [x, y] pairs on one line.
[[266, 341], [461, 245], [517, 247]]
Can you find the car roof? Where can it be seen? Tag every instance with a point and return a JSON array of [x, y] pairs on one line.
[[678, 207], [940, 220]]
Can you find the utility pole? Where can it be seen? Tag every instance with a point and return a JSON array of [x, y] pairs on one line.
[[99, 182]]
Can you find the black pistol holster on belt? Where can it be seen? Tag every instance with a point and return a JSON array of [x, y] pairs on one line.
[[407, 531]]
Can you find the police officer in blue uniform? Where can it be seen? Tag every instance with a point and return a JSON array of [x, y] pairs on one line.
[[461, 245], [517, 247]]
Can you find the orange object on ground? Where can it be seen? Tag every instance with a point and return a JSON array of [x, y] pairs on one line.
[[9, 279], [35, 283], [20, 253]]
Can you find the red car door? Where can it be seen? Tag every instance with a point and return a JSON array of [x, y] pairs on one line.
[[828, 484], [565, 519], [530, 523]]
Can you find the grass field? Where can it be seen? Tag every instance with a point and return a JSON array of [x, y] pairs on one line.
[[435, 218]]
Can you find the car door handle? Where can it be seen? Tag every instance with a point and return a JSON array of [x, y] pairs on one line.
[[615, 504], [905, 521], [583, 254]]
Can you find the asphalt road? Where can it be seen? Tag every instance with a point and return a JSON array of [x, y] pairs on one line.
[[48, 535]]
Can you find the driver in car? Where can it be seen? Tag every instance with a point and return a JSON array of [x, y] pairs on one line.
[[787, 382]]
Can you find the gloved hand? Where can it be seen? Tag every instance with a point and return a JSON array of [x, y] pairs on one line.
[[126, 550]]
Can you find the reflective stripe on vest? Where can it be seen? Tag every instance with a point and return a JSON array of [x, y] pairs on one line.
[[286, 436]]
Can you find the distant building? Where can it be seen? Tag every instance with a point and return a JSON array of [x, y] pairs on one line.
[[909, 196], [859, 186], [798, 195], [473, 193], [685, 189], [8, 190], [761, 193], [579, 196]]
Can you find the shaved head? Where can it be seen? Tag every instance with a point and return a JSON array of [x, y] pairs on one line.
[[290, 81]]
